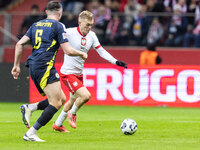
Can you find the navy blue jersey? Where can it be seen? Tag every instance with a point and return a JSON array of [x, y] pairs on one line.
[[46, 36]]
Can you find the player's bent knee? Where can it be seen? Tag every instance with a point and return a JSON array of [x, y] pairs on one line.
[[63, 100], [86, 97], [57, 103], [70, 102], [86, 100], [63, 97], [89, 96]]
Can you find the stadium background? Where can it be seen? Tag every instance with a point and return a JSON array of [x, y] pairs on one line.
[[176, 58]]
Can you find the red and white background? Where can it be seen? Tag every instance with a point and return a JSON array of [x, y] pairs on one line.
[[176, 83], [161, 85]]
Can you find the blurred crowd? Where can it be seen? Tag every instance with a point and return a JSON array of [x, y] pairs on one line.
[[5, 3], [171, 23]]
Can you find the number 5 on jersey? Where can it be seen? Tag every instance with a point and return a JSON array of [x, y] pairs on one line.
[[38, 38]]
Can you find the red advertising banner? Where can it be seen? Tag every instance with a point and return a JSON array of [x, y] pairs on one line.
[[161, 85]]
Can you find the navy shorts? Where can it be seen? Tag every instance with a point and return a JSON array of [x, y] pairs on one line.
[[43, 75]]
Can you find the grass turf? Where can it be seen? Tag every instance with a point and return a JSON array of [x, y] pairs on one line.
[[98, 128]]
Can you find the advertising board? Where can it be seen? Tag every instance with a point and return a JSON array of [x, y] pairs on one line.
[[160, 85]]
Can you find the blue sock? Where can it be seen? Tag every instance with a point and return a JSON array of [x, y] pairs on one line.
[[43, 104], [45, 117]]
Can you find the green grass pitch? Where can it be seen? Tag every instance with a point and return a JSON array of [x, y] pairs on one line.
[[98, 128]]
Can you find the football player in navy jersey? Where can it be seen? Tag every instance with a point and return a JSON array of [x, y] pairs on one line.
[[82, 39], [45, 36]]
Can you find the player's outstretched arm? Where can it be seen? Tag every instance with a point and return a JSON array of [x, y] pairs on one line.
[[71, 51], [107, 56], [121, 63], [18, 51]]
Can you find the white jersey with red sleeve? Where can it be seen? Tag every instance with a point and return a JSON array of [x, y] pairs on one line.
[[74, 64]]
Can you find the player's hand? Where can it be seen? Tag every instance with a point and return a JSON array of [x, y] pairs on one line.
[[15, 72], [84, 56], [121, 63]]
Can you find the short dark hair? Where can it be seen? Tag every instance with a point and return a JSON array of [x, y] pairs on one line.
[[54, 6]]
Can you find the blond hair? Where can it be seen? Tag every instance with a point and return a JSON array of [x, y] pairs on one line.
[[85, 15]]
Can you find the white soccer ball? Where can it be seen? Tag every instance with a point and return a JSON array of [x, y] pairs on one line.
[[128, 126]]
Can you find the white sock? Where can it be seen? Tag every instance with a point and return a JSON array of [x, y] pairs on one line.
[[74, 109], [61, 118], [31, 131], [33, 106]]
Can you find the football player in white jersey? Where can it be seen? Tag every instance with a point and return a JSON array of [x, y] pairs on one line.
[[81, 38]]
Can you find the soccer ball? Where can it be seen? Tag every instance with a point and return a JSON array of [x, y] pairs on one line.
[[128, 126]]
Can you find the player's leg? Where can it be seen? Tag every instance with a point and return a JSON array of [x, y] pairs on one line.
[[55, 97], [80, 97], [83, 96], [63, 115], [28, 109], [58, 126], [80, 94]]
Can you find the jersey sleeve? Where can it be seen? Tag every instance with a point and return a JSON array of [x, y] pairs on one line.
[[96, 43], [61, 33], [105, 55], [101, 51]]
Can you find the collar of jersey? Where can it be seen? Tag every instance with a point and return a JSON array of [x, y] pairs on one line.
[[80, 32]]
